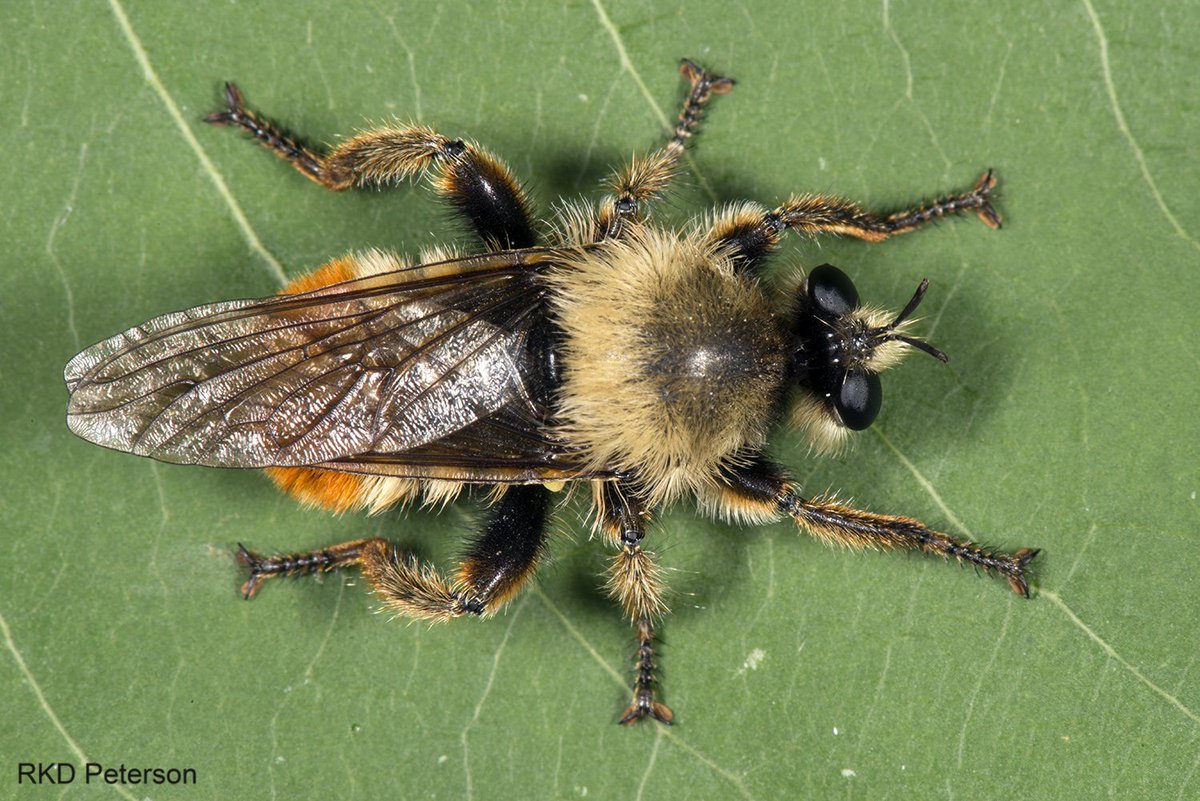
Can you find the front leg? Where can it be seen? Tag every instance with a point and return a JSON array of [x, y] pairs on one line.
[[635, 580], [761, 490], [749, 234]]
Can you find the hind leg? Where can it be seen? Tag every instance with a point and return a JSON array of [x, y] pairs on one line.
[[497, 565]]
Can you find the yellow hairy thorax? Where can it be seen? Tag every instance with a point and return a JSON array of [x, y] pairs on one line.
[[672, 360]]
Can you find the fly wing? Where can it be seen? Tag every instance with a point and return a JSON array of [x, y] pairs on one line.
[[511, 446], [383, 364]]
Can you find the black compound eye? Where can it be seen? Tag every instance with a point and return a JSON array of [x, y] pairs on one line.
[[831, 291], [859, 399]]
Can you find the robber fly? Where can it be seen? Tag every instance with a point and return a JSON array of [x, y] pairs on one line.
[[601, 350]]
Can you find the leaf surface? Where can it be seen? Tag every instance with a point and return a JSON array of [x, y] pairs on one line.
[[1066, 419]]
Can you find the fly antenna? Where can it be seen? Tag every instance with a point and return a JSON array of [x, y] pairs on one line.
[[912, 304], [904, 314], [921, 345]]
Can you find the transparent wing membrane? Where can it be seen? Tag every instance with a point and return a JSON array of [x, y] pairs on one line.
[[379, 365]]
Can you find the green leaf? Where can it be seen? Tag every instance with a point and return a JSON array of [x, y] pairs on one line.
[[1066, 419]]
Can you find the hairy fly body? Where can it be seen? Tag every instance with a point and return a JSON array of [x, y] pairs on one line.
[[600, 350]]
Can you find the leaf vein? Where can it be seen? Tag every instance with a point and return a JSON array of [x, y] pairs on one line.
[[729, 776], [305, 678], [55, 227], [925, 483], [649, 764], [235, 208], [664, 120], [1123, 127], [1112, 653], [49, 710], [962, 732], [487, 690], [908, 84]]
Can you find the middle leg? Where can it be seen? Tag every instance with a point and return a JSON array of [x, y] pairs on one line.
[[644, 178], [635, 581]]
